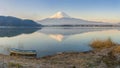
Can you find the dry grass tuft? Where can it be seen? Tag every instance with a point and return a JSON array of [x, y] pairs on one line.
[[100, 44], [116, 50]]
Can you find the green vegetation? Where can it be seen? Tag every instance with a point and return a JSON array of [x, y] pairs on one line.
[[14, 65], [100, 44]]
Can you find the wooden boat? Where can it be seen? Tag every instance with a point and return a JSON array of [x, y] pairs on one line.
[[19, 52]]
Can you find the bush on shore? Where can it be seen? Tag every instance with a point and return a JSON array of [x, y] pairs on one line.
[[100, 44]]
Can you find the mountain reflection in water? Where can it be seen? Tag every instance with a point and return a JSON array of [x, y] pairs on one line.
[[10, 32], [51, 40]]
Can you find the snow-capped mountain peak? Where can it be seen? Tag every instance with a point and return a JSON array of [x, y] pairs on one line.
[[61, 18], [60, 15]]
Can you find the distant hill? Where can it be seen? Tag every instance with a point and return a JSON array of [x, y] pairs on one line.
[[16, 22]]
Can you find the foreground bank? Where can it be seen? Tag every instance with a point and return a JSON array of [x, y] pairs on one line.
[[105, 54]]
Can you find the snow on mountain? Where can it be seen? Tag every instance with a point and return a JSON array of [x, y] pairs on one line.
[[60, 15], [61, 18]]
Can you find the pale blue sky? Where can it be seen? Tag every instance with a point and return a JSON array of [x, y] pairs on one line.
[[99, 10]]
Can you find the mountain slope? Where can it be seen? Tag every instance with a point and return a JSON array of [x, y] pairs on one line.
[[62, 18], [67, 21], [13, 21]]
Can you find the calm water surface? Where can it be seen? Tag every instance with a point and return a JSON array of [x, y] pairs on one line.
[[51, 40]]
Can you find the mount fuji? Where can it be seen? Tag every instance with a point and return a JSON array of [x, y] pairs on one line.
[[61, 18], [60, 15]]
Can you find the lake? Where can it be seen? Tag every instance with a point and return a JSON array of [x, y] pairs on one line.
[[52, 40]]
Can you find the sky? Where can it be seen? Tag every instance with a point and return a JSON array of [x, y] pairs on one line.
[[97, 10]]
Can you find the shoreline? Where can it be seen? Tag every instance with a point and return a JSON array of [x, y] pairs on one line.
[[105, 54], [65, 59], [46, 61]]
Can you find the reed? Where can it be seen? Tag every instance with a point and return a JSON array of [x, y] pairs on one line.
[[100, 44]]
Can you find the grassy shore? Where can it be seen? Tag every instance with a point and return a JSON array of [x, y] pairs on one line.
[[105, 54]]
